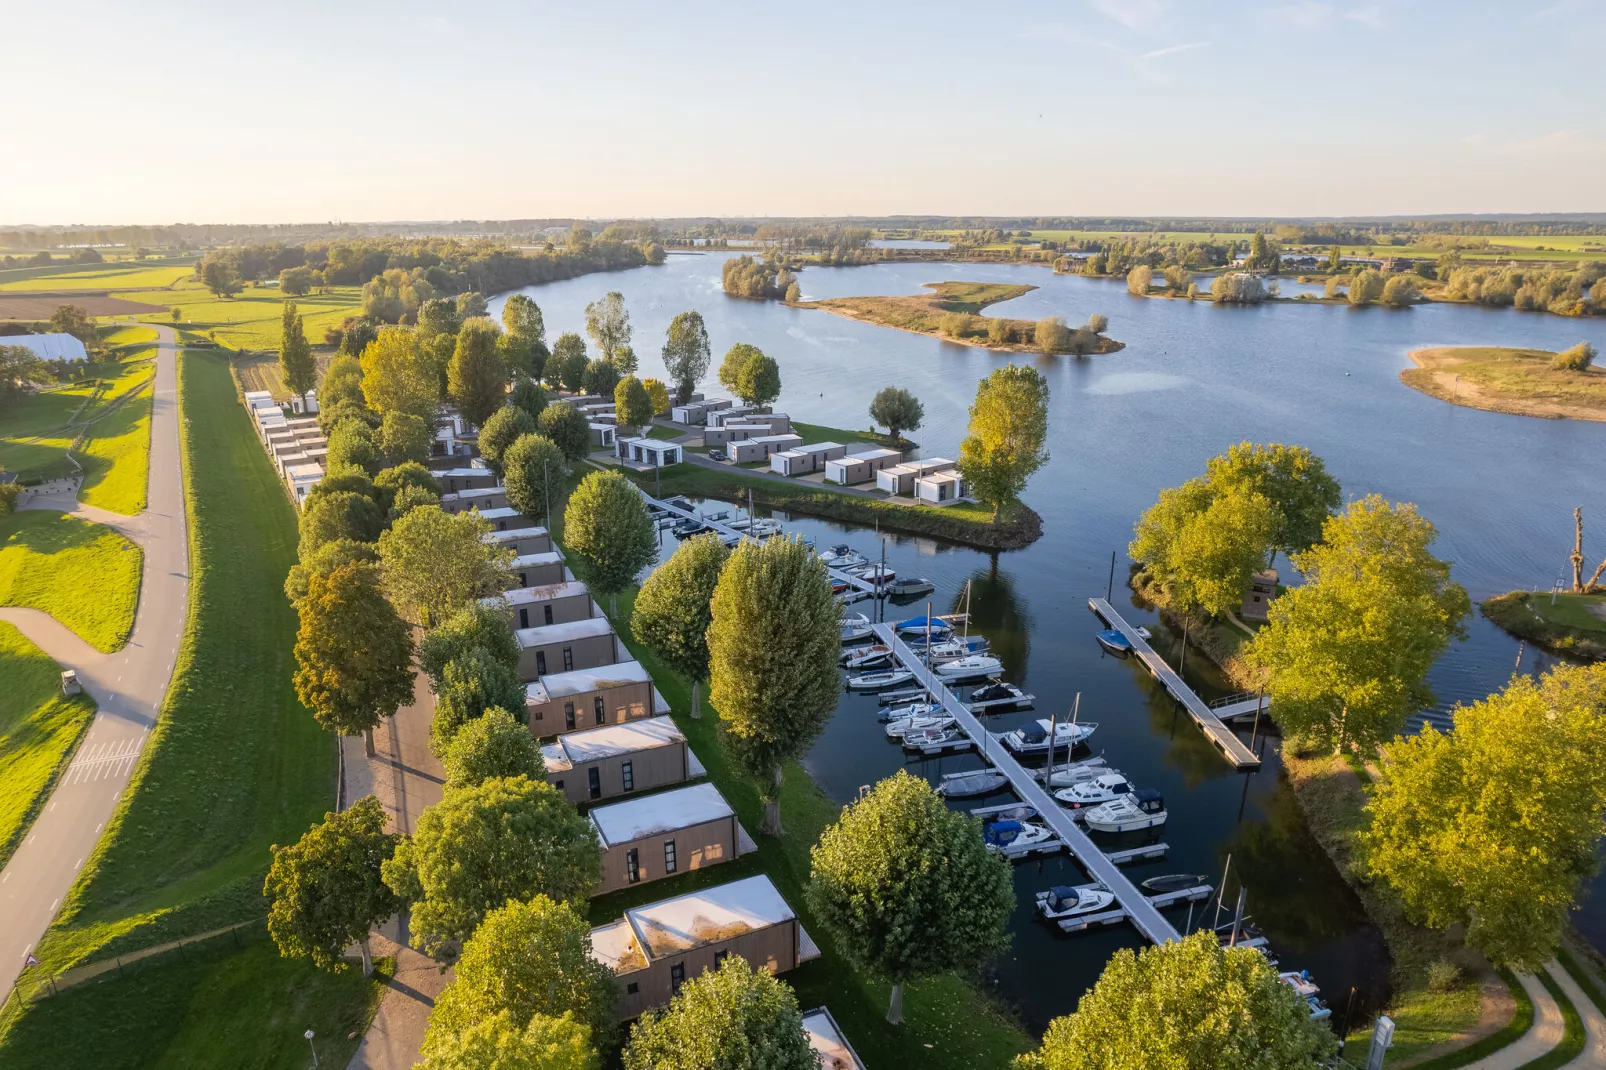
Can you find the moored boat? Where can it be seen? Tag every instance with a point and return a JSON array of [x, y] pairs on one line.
[[904, 727], [969, 667], [1093, 791], [966, 785], [855, 626], [933, 736], [1032, 737], [996, 694], [909, 586], [1015, 835], [1072, 773], [842, 556], [1174, 882], [1144, 808], [1114, 642], [1065, 901], [876, 681], [867, 657]]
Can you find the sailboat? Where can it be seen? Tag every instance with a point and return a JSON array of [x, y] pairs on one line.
[[902, 727], [1063, 776], [877, 681]]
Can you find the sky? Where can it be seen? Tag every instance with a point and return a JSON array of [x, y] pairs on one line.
[[168, 112]]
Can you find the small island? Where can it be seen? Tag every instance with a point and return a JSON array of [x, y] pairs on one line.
[[1524, 382], [951, 311]]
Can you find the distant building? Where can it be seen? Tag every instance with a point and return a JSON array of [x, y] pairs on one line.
[[1257, 598]]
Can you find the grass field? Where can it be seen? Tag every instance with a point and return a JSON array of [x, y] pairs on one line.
[[216, 1005], [1571, 624], [235, 763], [39, 729], [929, 313], [253, 318], [263, 373], [1519, 381], [36, 431], [84, 575], [134, 276]]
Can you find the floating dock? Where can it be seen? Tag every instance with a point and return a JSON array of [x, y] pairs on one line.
[[1231, 747], [1134, 905]]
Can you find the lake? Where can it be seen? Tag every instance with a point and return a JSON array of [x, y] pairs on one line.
[[1193, 379]]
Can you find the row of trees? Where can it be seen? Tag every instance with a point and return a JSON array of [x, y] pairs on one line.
[[1569, 293], [743, 276], [1369, 286]]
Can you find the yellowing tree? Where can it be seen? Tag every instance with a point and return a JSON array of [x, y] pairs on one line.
[[398, 376], [1008, 429]]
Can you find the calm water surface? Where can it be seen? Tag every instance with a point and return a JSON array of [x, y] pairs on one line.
[[1193, 380]]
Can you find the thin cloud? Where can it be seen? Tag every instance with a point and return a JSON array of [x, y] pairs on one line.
[[1133, 14], [1307, 13], [1174, 49], [1370, 17]]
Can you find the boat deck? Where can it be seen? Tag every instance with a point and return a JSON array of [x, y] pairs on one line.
[[1134, 906], [1231, 747]]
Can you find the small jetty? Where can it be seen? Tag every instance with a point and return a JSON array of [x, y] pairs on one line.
[[1133, 905], [1208, 719]]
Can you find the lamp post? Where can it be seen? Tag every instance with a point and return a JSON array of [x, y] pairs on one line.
[[308, 1034]]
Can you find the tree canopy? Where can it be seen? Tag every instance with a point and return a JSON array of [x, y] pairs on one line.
[[341, 515], [1007, 435], [470, 684], [505, 426], [686, 353], [325, 891], [527, 395], [1495, 825], [324, 560], [342, 381], [495, 1043], [1292, 478], [490, 746], [404, 437], [675, 607], [352, 443], [434, 563], [908, 886], [483, 846], [600, 377], [1199, 546], [476, 378], [568, 429], [531, 468], [1190, 1004], [399, 376], [731, 1017], [300, 371], [1346, 653], [474, 627], [632, 403], [353, 653], [897, 410], [608, 324], [659, 394], [567, 365], [607, 528], [773, 646]]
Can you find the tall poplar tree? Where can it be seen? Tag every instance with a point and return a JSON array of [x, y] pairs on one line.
[[295, 354], [1008, 435], [675, 607], [686, 353]]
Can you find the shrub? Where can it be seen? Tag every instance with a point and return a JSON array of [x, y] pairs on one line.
[[1443, 976], [1052, 335], [1401, 290], [1365, 287], [1177, 278], [1238, 288], [1139, 279], [1576, 359], [956, 324], [1334, 286], [1098, 323]]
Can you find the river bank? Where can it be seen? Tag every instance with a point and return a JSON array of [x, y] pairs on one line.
[[1522, 382], [1573, 625]]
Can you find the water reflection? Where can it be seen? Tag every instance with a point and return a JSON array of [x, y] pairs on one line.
[[997, 612]]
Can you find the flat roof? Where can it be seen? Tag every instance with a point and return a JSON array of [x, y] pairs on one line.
[[252, 395], [594, 744], [709, 916], [523, 596], [305, 471], [501, 512], [652, 443], [474, 492], [866, 455], [585, 681], [589, 628], [550, 557], [512, 533], [667, 811], [939, 477], [826, 1038], [788, 437], [817, 447], [614, 945], [465, 473]]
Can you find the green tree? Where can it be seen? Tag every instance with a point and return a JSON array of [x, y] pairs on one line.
[[675, 607], [342, 381], [659, 393], [482, 847], [1008, 431], [476, 379], [1052, 335], [909, 888], [495, 1043], [897, 410], [324, 560], [1139, 279], [300, 371], [476, 626], [1335, 260], [527, 959], [1401, 290], [600, 378], [569, 429], [1098, 323], [1365, 287], [607, 528], [1495, 825], [686, 353], [469, 685], [220, 278], [1199, 544], [632, 404], [342, 515], [773, 646], [296, 281], [76, 321], [759, 382], [490, 746], [1346, 654], [352, 443], [527, 395], [1577, 358], [434, 563], [532, 469], [608, 324], [325, 891], [1292, 478], [522, 319], [505, 426], [393, 480], [734, 1016], [1192, 1003], [399, 375], [471, 305], [19, 367], [436, 317], [353, 653], [567, 365], [404, 438], [736, 358]]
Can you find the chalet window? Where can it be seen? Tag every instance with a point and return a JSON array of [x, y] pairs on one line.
[[501, 525], [540, 663], [568, 659], [594, 776], [632, 988], [602, 716], [627, 777], [677, 977], [568, 716], [720, 957], [524, 579], [632, 866], [524, 616], [547, 609], [538, 715], [558, 784], [669, 856]]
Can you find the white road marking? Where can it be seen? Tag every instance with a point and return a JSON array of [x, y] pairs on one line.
[[98, 827], [78, 863], [53, 903]]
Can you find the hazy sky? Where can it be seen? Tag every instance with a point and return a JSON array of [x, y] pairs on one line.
[[177, 112]]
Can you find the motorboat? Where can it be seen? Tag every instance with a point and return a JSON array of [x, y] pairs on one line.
[[1141, 809], [909, 586], [842, 556], [855, 626], [917, 625], [1021, 812], [877, 574], [1032, 737], [969, 667], [967, 785], [1015, 835], [997, 694], [912, 709], [1114, 642], [1308, 991], [867, 657], [876, 681], [918, 738], [763, 527], [1064, 901], [946, 641], [1073, 773], [687, 528], [1093, 791], [1174, 882], [949, 649], [904, 727]]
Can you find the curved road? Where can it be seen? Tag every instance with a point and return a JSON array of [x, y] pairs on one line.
[[128, 686]]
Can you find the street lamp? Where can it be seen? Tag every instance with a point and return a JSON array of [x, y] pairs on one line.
[[308, 1034]]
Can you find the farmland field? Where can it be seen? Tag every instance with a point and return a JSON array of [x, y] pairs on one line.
[[136, 276], [39, 728], [36, 431], [253, 318]]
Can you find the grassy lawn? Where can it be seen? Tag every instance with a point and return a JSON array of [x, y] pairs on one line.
[[1519, 381], [927, 313], [1575, 624], [37, 430], [84, 575], [116, 454], [235, 763], [39, 729], [124, 276], [813, 433], [253, 318], [215, 1005]]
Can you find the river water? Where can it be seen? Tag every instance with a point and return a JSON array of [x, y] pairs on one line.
[[1193, 379]]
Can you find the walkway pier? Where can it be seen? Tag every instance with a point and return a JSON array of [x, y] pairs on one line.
[[1134, 906], [1231, 747]]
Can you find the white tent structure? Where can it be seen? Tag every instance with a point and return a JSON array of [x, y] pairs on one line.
[[48, 346]]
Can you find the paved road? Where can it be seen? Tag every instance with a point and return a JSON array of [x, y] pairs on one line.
[[128, 685], [1594, 1053], [1546, 1032]]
